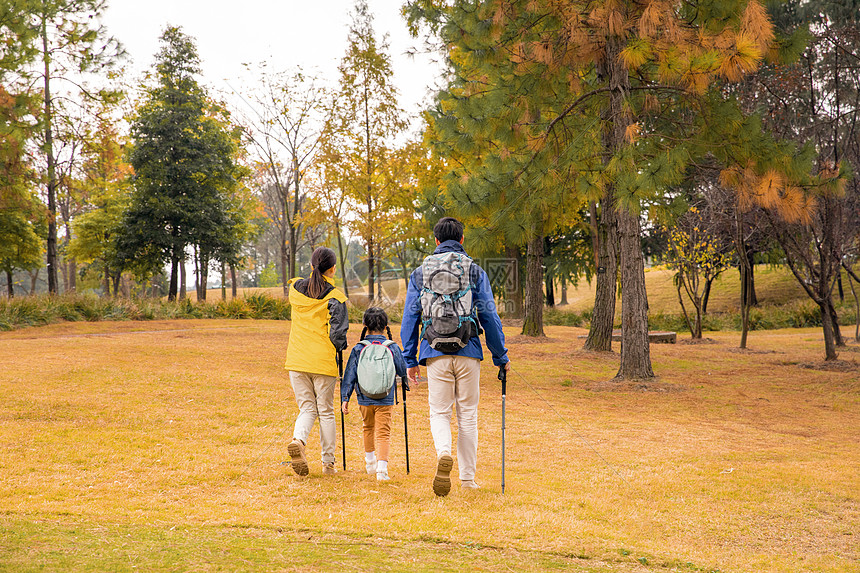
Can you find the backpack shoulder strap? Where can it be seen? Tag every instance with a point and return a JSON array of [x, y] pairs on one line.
[[364, 343], [387, 343]]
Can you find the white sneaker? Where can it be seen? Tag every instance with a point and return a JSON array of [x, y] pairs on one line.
[[370, 467], [469, 484], [382, 476]]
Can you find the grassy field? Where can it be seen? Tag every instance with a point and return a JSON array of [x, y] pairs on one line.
[[160, 445], [774, 285]]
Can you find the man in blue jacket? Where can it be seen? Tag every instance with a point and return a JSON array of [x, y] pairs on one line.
[[453, 376]]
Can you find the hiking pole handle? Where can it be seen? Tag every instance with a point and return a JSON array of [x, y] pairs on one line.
[[503, 376]]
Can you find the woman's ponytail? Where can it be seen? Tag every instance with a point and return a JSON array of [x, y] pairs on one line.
[[322, 260]]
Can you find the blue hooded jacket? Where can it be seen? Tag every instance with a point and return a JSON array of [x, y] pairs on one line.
[[482, 302], [350, 375]]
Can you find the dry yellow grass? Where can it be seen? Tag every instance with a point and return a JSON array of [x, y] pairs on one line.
[[148, 444]]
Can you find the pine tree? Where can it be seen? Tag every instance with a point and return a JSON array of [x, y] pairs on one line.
[[184, 169], [605, 92]]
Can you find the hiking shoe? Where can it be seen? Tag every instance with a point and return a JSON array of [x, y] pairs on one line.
[[442, 480], [382, 476], [329, 469], [370, 467], [469, 484], [296, 449]]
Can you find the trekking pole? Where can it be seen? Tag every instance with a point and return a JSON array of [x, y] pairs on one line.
[[503, 376], [405, 426], [342, 424]]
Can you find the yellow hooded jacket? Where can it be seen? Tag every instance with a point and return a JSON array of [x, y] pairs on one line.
[[318, 329]]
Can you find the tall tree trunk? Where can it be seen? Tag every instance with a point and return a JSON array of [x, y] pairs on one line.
[[293, 238], [749, 284], [107, 281], [550, 291], [233, 281], [174, 275], [533, 321], [379, 278], [204, 276], [223, 281], [514, 288], [285, 278], [51, 251], [707, 294], [369, 174], [603, 314], [635, 348], [116, 280], [342, 257], [183, 279], [371, 266], [834, 319], [593, 230], [827, 327], [10, 285], [549, 275], [196, 274], [563, 291], [745, 271], [295, 226]]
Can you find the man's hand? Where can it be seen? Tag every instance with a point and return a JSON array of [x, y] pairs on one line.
[[508, 366], [413, 374], [344, 407]]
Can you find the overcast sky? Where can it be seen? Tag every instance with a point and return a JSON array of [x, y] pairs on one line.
[[286, 33]]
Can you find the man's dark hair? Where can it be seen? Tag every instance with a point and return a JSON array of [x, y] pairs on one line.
[[448, 229]]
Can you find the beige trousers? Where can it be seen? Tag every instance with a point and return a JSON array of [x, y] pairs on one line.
[[376, 423], [315, 398], [454, 381]]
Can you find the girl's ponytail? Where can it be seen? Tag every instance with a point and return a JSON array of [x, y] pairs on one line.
[[322, 260]]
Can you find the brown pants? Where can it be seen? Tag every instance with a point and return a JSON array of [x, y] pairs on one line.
[[377, 429]]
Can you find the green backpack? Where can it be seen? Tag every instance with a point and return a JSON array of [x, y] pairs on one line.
[[376, 373]]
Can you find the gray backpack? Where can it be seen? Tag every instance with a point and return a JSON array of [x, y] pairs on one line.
[[446, 302], [376, 373]]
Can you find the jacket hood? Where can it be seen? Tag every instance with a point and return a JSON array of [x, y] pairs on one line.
[[302, 301], [451, 246]]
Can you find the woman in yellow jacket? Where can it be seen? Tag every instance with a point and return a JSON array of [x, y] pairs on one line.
[[318, 332]]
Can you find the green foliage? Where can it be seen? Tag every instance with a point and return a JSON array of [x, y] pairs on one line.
[[21, 246], [269, 277]]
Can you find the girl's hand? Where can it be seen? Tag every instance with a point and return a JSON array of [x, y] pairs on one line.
[[344, 407]]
